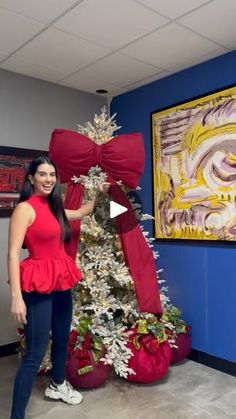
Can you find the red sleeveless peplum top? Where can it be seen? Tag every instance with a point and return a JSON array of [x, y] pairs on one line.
[[48, 267]]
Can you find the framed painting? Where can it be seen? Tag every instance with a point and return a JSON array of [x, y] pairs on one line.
[[194, 168], [13, 163]]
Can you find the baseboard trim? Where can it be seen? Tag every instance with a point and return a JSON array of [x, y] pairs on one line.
[[9, 349], [211, 361]]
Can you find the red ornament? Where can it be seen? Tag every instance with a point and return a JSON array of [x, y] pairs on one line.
[[183, 341], [151, 361]]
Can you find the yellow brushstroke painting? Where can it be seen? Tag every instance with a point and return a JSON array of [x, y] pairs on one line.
[[194, 169]]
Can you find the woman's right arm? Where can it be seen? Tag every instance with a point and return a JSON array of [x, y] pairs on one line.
[[21, 218]]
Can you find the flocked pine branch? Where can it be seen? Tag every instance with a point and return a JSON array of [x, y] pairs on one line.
[[102, 128]]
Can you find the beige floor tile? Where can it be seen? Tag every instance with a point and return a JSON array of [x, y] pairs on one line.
[[190, 391]]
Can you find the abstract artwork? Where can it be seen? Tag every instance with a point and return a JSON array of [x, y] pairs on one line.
[[13, 163], [194, 168]]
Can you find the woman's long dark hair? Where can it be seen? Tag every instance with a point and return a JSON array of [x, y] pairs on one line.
[[54, 198]]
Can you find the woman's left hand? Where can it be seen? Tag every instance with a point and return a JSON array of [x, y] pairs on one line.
[[104, 187]]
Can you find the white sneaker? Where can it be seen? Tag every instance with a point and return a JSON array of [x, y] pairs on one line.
[[63, 392]]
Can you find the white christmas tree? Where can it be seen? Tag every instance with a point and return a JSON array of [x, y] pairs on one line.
[[105, 300]]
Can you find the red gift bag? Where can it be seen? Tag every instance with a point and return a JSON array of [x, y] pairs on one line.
[[150, 361], [82, 370], [92, 379], [183, 341]]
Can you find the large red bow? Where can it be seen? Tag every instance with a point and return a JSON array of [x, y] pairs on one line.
[[122, 158]]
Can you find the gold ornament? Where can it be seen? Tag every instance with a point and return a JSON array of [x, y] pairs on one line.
[[142, 327], [85, 296]]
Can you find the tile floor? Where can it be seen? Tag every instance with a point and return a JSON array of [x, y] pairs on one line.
[[190, 391]]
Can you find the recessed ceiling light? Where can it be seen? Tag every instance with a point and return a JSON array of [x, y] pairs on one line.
[[101, 91]]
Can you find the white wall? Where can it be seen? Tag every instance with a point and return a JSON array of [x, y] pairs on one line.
[[29, 110]]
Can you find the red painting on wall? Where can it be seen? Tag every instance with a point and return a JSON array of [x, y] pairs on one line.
[[13, 164]]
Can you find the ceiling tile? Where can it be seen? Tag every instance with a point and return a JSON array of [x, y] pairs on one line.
[[169, 47], [148, 80], [200, 59], [119, 70], [3, 56], [215, 20], [71, 53], [33, 70], [173, 9], [110, 23], [44, 10], [89, 84], [61, 50], [119, 92], [16, 30]]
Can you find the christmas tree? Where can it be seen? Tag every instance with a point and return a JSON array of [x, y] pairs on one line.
[[105, 304]]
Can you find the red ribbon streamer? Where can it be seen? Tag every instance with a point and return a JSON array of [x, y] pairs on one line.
[[121, 158]]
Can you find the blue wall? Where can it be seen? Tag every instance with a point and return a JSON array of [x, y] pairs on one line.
[[201, 277]]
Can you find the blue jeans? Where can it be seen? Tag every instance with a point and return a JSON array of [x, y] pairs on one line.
[[45, 312]]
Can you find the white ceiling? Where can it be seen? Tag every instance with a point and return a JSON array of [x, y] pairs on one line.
[[115, 45]]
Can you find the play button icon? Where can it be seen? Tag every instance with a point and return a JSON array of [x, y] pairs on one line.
[[114, 217], [116, 209]]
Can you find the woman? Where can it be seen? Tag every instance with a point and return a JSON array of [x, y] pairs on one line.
[[41, 284]]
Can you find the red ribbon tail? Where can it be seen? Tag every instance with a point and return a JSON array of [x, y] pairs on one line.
[[139, 258], [138, 255]]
